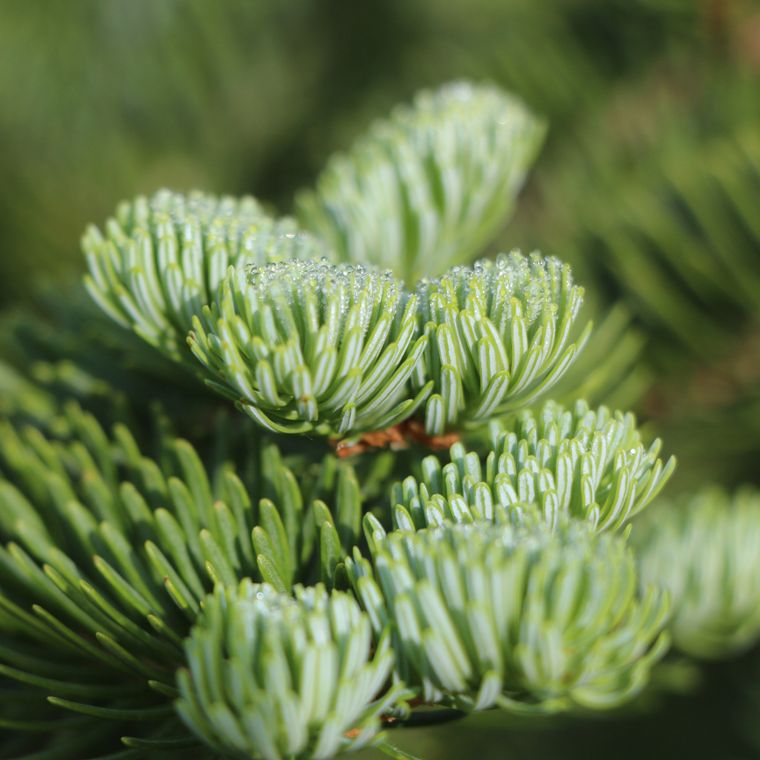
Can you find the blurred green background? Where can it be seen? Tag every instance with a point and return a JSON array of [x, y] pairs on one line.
[[649, 183]]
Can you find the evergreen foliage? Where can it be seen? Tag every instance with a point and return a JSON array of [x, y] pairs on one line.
[[162, 258], [429, 187], [272, 676], [670, 227], [586, 464], [497, 336], [700, 302], [192, 577], [516, 617], [118, 551], [703, 548], [313, 346]]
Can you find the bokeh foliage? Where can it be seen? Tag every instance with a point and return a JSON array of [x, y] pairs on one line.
[[648, 184]]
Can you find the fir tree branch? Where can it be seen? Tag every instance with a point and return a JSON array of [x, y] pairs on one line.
[[513, 616], [160, 259], [271, 676], [429, 187], [498, 336], [703, 548], [308, 346], [577, 463]]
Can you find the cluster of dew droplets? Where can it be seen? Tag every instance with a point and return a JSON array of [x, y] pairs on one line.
[[535, 280], [288, 281], [461, 286], [436, 294], [424, 289], [487, 286]]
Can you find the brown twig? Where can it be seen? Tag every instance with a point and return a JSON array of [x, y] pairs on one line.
[[399, 436]]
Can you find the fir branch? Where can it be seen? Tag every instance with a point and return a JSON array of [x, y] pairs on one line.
[[307, 346], [160, 259], [274, 677], [430, 186], [703, 548], [108, 554], [578, 463], [498, 336], [118, 568], [513, 616]]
